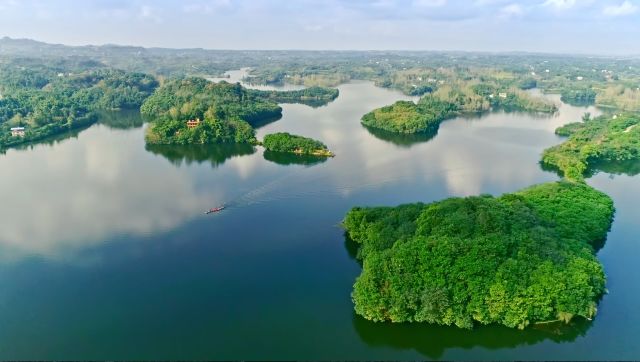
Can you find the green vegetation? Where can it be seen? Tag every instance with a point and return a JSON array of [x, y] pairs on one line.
[[517, 100], [401, 139], [578, 96], [616, 81], [285, 142], [313, 96], [408, 117], [46, 102], [515, 260], [593, 141], [286, 159], [215, 155], [620, 97], [449, 101], [227, 112]]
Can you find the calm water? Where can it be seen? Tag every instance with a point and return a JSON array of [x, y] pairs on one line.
[[105, 252], [238, 75]]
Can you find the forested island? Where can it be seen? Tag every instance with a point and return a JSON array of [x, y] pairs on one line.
[[40, 101], [409, 117], [288, 143], [514, 260], [595, 140], [312, 96], [197, 111], [219, 112], [578, 96], [447, 102]]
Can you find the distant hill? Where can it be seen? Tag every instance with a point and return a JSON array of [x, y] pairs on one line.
[[159, 61]]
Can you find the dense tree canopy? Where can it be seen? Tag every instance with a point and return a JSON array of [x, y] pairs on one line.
[[448, 101], [409, 117], [46, 102], [578, 96], [227, 111], [514, 260], [313, 96], [594, 140], [285, 142]]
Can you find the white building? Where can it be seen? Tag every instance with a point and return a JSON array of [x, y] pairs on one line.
[[17, 131]]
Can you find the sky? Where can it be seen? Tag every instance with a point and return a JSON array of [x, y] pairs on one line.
[[557, 26]]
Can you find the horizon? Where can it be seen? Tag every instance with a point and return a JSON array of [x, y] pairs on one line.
[[572, 27], [452, 51]]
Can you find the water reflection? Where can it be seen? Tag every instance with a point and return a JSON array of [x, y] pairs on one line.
[[313, 103], [400, 139], [105, 195], [48, 141], [216, 155], [613, 168], [352, 248], [264, 121], [61, 200], [432, 341], [629, 167], [285, 159], [239, 76], [124, 119]]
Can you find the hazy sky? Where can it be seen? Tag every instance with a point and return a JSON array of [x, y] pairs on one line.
[[582, 26]]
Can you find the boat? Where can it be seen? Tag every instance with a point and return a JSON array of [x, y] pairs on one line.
[[215, 209]]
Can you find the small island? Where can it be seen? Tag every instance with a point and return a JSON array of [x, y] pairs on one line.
[[409, 117], [578, 96], [515, 260], [288, 143], [597, 140], [425, 116]]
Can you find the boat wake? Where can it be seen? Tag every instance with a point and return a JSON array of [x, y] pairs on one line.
[[308, 185]]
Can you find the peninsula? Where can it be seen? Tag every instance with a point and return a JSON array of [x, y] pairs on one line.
[[426, 115], [40, 102], [601, 139]]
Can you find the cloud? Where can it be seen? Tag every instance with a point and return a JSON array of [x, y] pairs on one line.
[[386, 4], [626, 8], [5, 4], [429, 3], [332, 24], [511, 10], [314, 28], [150, 13], [94, 189], [206, 7], [560, 4]]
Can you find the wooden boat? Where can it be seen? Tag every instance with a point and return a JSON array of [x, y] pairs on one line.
[[215, 209]]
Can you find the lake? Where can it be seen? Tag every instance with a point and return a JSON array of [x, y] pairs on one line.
[[105, 252]]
